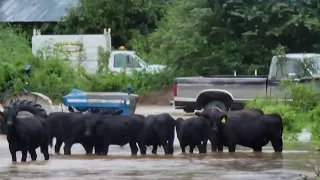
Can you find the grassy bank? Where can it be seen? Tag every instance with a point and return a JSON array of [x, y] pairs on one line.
[[302, 113]]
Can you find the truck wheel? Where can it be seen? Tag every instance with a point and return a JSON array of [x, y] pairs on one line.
[[26, 108], [216, 105]]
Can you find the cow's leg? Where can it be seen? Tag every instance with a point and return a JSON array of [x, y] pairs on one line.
[[192, 146], [44, 148], [142, 146], [58, 145], [277, 144], [13, 150], [154, 149], [231, 141], [204, 144], [219, 145], [171, 141], [164, 145], [183, 147], [213, 140], [133, 147], [106, 145], [24, 153], [24, 150], [67, 146], [201, 148], [88, 148], [33, 154]]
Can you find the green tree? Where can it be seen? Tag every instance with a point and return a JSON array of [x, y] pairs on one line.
[[122, 16], [210, 37]]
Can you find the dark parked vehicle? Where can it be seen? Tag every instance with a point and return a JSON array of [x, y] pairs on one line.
[[225, 91]]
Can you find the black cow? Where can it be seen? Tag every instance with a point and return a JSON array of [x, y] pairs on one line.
[[26, 135], [244, 114], [195, 131], [253, 133], [71, 128], [120, 130], [159, 131]]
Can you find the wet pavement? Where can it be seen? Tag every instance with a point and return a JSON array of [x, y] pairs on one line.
[[297, 158]]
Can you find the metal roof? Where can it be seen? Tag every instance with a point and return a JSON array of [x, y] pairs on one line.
[[34, 10]]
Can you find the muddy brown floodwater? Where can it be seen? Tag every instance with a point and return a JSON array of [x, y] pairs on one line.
[[297, 158]]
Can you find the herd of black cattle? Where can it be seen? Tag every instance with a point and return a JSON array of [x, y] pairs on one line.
[[250, 128]]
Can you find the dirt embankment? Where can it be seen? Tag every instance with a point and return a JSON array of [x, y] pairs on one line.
[[156, 98]]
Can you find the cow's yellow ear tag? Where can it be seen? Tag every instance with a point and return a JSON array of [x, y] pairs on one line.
[[223, 120]]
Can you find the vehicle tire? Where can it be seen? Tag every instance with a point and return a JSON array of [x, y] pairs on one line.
[[188, 110], [26, 108], [216, 106]]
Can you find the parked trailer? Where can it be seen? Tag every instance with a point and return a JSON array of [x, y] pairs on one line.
[[79, 49]]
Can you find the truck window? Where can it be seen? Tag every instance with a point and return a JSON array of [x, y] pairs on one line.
[[133, 62], [125, 61], [120, 60], [136, 63], [286, 66], [313, 64], [129, 62]]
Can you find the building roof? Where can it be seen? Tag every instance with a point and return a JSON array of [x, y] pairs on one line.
[[34, 10]]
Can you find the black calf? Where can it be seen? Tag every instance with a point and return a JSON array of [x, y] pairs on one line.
[[26, 135]]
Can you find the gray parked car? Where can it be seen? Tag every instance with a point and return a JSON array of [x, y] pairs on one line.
[[223, 92]]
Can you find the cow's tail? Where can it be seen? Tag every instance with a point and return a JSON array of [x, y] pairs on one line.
[[50, 141], [178, 124], [281, 126], [50, 137], [279, 122]]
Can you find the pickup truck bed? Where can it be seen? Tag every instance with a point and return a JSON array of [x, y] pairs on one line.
[[191, 93]]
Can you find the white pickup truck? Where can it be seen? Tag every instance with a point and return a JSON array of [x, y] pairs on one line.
[[83, 50], [130, 60]]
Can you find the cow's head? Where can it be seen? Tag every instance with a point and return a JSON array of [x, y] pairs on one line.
[[216, 119], [9, 116]]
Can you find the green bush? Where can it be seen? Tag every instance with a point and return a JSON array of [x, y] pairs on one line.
[[302, 113], [53, 75], [141, 82]]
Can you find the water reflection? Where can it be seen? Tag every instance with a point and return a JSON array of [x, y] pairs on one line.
[[244, 164]]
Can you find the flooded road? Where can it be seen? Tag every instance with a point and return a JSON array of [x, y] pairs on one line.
[[297, 158]]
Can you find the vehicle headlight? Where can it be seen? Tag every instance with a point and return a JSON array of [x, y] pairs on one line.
[[128, 102]]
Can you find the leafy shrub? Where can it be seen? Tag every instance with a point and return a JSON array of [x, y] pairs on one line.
[[53, 75]]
